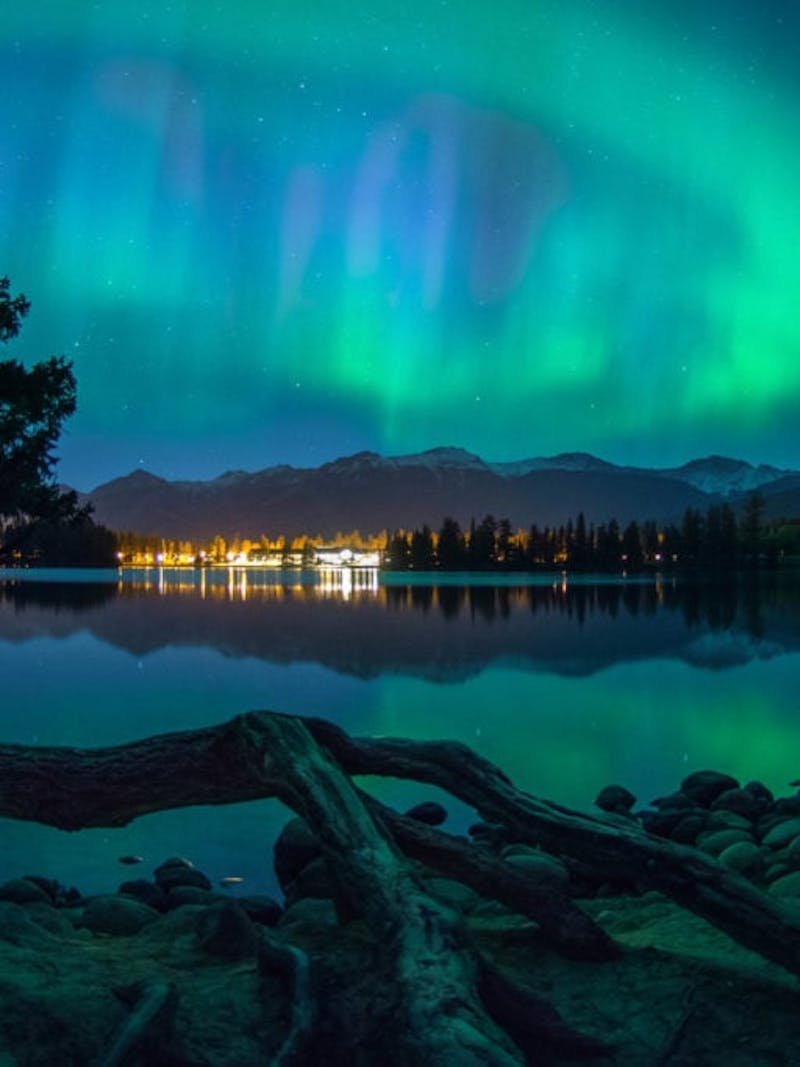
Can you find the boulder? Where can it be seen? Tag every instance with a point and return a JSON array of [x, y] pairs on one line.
[[309, 912], [760, 791], [24, 891], [782, 833], [429, 812], [716, 841], [744, 856], [687, 830], [146, 892], [193, 895], [224, 930], [294, 849], [788, 885], [740, 801], [615, 798], [705, 786], [537, 863], [118, 915], [261, 909], [314, 880], [168, 878]]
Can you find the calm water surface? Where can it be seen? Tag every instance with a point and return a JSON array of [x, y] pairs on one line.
[[566, 685]]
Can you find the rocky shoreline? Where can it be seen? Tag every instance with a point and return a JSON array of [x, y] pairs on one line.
[[189, 962]]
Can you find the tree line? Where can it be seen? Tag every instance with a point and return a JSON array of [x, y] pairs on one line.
[[716, 539]]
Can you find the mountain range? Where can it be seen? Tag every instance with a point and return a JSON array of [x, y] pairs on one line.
[[371, 493]]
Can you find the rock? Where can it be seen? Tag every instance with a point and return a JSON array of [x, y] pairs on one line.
[[786, 886], [50, 886], [224, 930], [121, 916], [615, 798], [168, 878], [537, 863], [429, 812], [261, 909], [673, 802], [793, 849], [18, 928], [760, 792], [787, 805], [491, 835], [744, 856], [309, 912], [705, 786], [314, 880], [24, 891], [174, 861], [740, 801], [294, 849], [775, 871], [782, 833], [49, 918], [716, 841], [193, 895], [146, 892], [453, 893], [728, 820], [687, 830], [661, 823]]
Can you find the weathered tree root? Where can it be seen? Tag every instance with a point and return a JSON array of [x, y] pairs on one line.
[[147, 1029], [294, 966], [423, 946]]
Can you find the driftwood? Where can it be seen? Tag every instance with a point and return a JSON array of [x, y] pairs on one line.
[[77, 788], [438, 999]]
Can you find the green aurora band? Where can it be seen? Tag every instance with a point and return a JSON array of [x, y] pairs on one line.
[[280, 232]]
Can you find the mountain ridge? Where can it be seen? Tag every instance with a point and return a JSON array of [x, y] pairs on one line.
[[371, 492]]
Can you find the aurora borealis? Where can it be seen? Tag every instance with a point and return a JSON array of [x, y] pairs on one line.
[[282, 232]]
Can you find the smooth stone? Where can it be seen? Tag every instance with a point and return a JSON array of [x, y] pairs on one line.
[[294, 849], [49, 885], [18, 928], [429, 812], [174, 861], [661, 823], [728, 820], [782, 833], [49, 918], [743, 856], [673, 802], [716, 841], [740, 801], [224, 930], [776, 870], [687, 830], [171, 877], [761, 792], [615, 798], [309, 911], [121, 916], [182, 895], [262, 909], [793, 848], [145, 892], [787, 805], [705, 786], [24, 891], [454, 893], [313, 881], [786, 886], [536, 863]]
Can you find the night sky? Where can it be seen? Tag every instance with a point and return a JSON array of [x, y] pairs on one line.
[[282, 232]]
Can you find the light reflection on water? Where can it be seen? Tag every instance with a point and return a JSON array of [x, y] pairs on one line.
[[566, 685]]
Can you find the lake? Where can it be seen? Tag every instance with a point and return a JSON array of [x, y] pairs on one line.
[[567, 685]]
